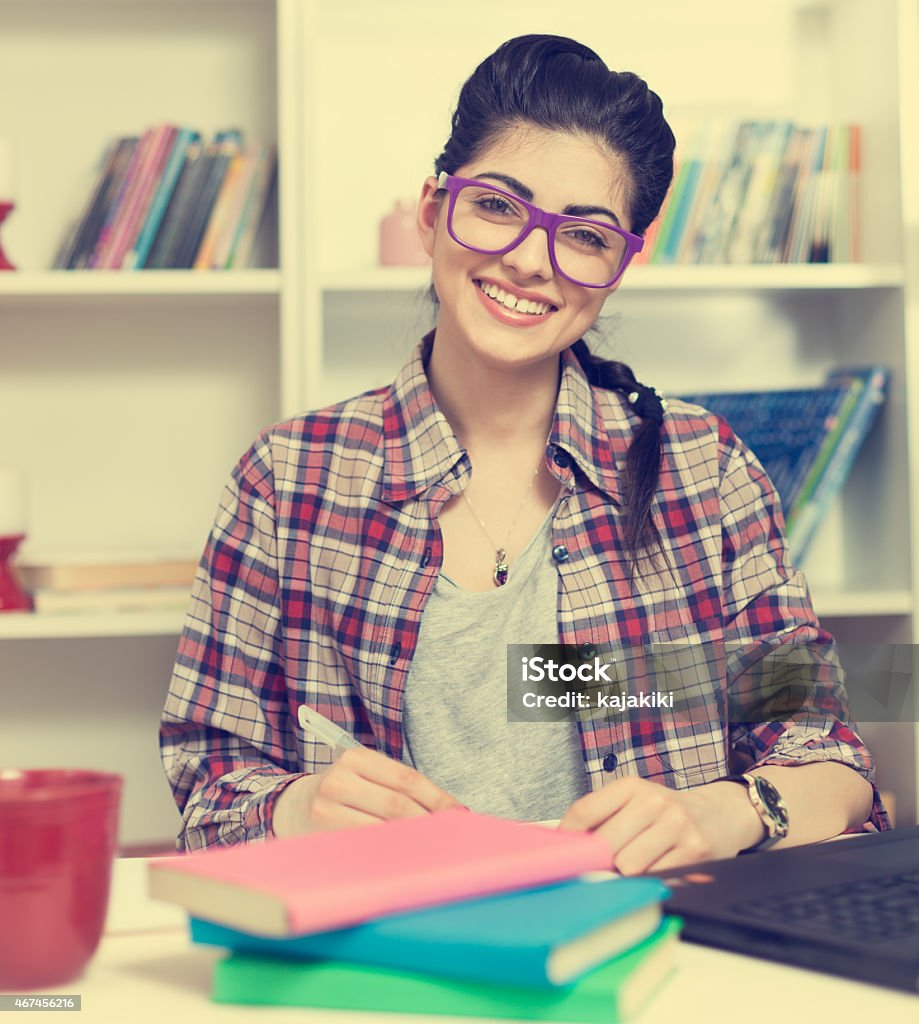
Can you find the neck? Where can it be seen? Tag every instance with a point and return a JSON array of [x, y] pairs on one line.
[[488, 405]]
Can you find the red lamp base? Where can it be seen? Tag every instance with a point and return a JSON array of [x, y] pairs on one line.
[[12, 596], [5, 210]]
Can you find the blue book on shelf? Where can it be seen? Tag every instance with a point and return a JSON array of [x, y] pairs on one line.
[[785, 429], [533, 937], [138, 255], [872, 383]]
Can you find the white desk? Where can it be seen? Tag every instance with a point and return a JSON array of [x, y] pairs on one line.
[[146, 969]]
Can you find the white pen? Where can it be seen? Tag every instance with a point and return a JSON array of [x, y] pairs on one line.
[[320, 728]]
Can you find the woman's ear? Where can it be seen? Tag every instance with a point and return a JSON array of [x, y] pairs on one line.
[[428, 208]]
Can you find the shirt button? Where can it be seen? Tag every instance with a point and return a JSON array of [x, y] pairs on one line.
[[395, 652], [610, 762], [560, 553], [426, 558], [561, 458], [587, 652]]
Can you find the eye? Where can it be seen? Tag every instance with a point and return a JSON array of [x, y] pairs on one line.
[[586, 237], [495, 204]]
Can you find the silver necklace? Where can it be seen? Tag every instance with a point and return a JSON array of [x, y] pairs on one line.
[[500, 571]]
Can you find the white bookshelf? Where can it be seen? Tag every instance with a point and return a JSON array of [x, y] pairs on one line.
[[127, 397], [113, 284]]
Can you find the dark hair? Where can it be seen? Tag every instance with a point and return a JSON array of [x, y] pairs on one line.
[[559, 84]]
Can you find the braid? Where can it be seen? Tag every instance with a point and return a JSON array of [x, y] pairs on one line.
[[643, 462]]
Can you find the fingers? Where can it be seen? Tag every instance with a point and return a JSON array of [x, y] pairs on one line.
[[394, 775], [647, 826], [592, 810], [364, 786]]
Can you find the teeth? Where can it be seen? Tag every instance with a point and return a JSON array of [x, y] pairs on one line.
[[512, 302]]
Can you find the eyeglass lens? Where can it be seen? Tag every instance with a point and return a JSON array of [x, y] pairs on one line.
[[586, 253]]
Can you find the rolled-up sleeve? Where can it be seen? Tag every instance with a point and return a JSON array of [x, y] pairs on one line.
[[787, 699], [226, 732]]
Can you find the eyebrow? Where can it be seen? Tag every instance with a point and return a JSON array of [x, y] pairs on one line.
[[572, 209]]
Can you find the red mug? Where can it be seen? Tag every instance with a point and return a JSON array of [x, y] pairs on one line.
[[58, 830]]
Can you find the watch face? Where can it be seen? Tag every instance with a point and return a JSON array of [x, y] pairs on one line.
[[774, 803]]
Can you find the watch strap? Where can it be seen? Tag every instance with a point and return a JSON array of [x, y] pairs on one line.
[[775, 830]]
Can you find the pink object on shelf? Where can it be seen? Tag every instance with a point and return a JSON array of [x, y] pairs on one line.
[[13, 597], [5, 210], [399, 242]]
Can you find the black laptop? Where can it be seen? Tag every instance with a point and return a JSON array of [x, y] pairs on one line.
[[848, 907]]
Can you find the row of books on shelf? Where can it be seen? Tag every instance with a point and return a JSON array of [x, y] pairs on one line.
[[806, 439], [454, 913], [761, 192], [87, 581], [169, 199]]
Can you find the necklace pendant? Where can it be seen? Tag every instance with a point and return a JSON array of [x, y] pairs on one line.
[[500, 573]]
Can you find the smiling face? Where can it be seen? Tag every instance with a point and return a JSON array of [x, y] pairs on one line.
[[513, 309]]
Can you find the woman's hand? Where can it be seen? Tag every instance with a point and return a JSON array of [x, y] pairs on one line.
[[652, 828], [362, 787]]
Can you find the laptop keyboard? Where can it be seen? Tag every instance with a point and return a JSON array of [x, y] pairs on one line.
[[876, 910]]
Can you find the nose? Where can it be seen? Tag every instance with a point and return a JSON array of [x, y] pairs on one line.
[[531, 257]]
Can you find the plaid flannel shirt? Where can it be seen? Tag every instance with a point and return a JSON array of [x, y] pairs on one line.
[[325, 549]]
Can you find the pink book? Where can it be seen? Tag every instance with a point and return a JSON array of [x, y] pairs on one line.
[[128, 227], [313, 883], [125, 191]]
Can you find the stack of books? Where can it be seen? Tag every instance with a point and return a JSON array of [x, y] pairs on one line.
[[451, 913], [806, 439], [762, 192], [87, 582], [169, 199]]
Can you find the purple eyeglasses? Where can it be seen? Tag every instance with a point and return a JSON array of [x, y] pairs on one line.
[[486, 219]]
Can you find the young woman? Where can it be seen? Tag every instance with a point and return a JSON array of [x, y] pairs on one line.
[[373, 560]]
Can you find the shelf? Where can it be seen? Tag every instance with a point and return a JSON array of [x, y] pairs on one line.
[[761, 278], [862, 603], [32, 626], [76, 284]]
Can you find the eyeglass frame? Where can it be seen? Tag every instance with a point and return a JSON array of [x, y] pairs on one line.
[[537, 218]]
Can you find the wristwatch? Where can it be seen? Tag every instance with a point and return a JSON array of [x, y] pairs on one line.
[[768, 804]]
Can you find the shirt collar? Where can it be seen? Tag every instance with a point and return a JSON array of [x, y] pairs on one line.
[[591, 424], [420, 448], [419, 445]]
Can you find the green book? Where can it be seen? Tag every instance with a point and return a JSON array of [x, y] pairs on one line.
[[610, 993]]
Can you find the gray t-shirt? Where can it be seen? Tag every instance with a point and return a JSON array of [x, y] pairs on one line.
[[455, 703]]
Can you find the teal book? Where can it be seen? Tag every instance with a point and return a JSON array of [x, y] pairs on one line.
[[164, 192], [873, 393], [610, 993], [534, 937]]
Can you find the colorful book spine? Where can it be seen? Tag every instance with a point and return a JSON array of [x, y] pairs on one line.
[[123, 200], [827, 447], [241, 252], [125, 234], [169, 236], [540, 937], [224, 204], [71, 243], [762, 192], [611, 993], [862, 418], [229, 230], [171, 172], [226, 145]]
